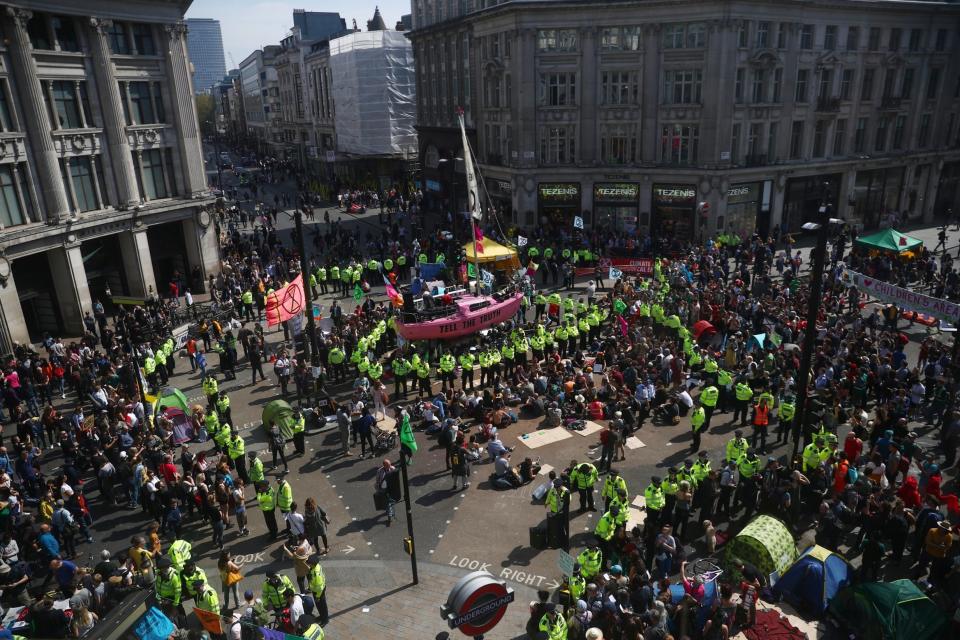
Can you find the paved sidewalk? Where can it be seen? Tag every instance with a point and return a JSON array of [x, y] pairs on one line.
[[374, 599]]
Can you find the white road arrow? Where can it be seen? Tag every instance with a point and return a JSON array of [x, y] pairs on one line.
[[349, 549], [554, 584]]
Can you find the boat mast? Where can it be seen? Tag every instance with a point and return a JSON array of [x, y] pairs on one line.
[[473, 197]]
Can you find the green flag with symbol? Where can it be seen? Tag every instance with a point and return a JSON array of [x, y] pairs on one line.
[[357, 292], [619, 307], [406, 435]]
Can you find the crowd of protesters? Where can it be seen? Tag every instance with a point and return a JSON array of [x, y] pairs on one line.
[[624, 353]]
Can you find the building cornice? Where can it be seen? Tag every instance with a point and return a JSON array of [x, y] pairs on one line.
[[33, 238], [157, 11], [697, 8]]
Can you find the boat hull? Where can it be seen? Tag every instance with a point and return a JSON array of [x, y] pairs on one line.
[[459, 325]]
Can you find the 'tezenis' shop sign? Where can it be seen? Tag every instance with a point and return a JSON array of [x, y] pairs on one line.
[[562, 192], [675, 193], [616, 191]]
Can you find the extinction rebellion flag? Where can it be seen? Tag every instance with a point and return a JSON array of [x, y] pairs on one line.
[[286, 302]]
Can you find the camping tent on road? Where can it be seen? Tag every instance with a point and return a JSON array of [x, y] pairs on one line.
[[895, 610], [171, 397], [813, 580], [766, 543], [889, 240], [281, 412]]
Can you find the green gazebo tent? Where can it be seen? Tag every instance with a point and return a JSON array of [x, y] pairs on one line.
[[282, 413], [889, 240]]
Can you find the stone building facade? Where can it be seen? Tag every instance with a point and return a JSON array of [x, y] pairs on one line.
[[101, 170], [691, 118]]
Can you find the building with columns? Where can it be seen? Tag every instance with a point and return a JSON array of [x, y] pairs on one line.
[[104, 191], [692, 118]]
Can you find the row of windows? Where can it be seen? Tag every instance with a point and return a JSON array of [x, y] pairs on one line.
[[69, 106], [684, 86], [693, 35], [83, 182], [679, 144], [828, 37], [766, 86], [59, 33], [549, 40], [619, 144]]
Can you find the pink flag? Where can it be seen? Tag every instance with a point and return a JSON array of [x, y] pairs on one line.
[[286, 302], [392, 293], [478, 236], [623, 325]]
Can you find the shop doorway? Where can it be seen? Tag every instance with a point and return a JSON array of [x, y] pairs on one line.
[[168, 252], [103, 264], [41, 309]]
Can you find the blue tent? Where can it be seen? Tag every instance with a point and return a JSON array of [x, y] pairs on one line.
[[813, 580]]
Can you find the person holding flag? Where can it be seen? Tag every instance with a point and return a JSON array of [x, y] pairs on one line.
[[408, 444]]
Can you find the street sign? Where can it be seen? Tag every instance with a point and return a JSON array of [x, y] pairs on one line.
[[476, 603], [565, 562]]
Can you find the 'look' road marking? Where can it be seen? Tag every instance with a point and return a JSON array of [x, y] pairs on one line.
[[514, 575]]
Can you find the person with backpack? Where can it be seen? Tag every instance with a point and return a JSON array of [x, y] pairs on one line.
[[277, 444], [459, 464], [446, 439]]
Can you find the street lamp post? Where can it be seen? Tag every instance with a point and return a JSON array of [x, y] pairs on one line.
[[813, 307], [310, 344], [216, 153]]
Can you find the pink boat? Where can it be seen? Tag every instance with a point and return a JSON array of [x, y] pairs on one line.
[[467, 315]]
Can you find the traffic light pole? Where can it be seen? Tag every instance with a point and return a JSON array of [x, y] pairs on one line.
[[406, 500]]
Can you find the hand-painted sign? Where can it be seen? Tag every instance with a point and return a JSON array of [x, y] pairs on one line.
[[903, 298]]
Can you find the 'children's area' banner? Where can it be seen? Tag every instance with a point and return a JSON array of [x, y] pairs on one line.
[[903, 298]]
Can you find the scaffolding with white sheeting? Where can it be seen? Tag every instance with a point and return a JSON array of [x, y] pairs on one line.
[[374, 90]]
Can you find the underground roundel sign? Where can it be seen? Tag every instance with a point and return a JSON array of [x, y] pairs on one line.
[[476, 603]]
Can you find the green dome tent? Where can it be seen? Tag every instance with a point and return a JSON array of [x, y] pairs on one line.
[[766, 543], [171, 397], [895, 610], [281, 412]]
